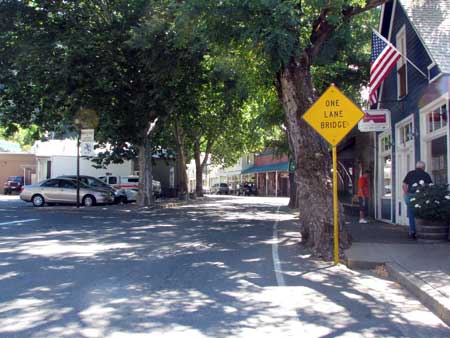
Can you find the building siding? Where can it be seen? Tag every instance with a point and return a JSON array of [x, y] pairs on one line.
[[420, 91], [270, 159]]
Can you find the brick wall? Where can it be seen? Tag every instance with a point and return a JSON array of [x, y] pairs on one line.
[[266, 159]]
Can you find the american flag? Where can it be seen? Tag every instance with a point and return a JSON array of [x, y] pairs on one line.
[[383, 59]]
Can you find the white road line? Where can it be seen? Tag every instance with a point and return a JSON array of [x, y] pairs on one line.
[[275, 257], [22, 221]]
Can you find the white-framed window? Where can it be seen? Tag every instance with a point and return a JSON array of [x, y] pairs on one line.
[[436, 119], [406, 133], [385, 143], [385, 161], [434, 143], [402, 65]]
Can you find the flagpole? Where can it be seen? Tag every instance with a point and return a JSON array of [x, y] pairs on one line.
[[389, 43]]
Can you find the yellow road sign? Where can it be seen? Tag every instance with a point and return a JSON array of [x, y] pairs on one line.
[[333, 115]]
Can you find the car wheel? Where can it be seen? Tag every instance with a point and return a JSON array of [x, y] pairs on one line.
[[38, 200], [122, 200], [89, 201]]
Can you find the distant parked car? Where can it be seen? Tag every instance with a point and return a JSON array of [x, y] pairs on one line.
[[220, 188], [123, 196], [13, 184], [246, 189], [129, 182], [64, 190]]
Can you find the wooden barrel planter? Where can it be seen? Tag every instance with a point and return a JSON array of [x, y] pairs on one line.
[[431, 231]]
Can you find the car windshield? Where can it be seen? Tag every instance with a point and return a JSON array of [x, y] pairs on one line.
[[15, 178], [90, 181], [82, 184], [95, 182]]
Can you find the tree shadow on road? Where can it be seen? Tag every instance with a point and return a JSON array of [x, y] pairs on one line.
[[198, 271]]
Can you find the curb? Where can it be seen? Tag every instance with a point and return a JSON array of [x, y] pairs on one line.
[[171, 205], [180, 202], [435, 301], [356, 264], [427, 295]]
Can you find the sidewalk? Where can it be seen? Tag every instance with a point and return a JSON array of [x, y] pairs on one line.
[[422, 268], [164, 203]]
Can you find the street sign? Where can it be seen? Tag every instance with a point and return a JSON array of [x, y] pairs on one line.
[[333, 115], [87, 149], [87, 135], [291, 166], [375, 120]]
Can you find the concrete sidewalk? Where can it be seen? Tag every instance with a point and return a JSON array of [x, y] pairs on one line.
[[422, 268]]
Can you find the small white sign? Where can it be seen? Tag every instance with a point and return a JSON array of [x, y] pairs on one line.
[[87, 149], [375, 120], [87, 135]]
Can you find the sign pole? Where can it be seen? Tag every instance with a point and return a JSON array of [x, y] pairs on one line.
[[335, 208], [78, 171]]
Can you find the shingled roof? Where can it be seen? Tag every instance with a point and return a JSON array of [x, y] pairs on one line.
[[431, 19]]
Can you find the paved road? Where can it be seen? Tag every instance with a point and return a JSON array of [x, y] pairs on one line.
[[224, 267]]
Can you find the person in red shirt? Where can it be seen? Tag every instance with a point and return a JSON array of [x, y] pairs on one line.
[[363, 196]]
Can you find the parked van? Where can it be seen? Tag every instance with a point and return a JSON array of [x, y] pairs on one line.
[[129, 182]]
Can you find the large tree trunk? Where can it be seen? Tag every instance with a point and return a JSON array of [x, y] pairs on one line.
[[200, 165], [145, 194], [182, 175], [181, 161], [293, 191], [312, 161], [198, 171]]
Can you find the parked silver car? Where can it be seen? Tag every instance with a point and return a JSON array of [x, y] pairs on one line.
[[64, 190], [121, 196], [220, 188]]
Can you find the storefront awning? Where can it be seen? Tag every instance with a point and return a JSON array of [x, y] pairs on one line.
[[283, 166]]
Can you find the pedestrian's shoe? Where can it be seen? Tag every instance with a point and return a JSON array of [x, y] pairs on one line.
[[412, 236], [363, 220]]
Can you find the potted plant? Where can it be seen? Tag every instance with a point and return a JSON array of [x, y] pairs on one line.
[[431, 205]]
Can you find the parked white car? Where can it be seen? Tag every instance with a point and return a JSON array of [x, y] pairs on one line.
[[129, 183], [126, 195]]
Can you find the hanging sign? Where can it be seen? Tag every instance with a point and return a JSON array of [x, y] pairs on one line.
[[87, 135], [375, 120], [87, 149]]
